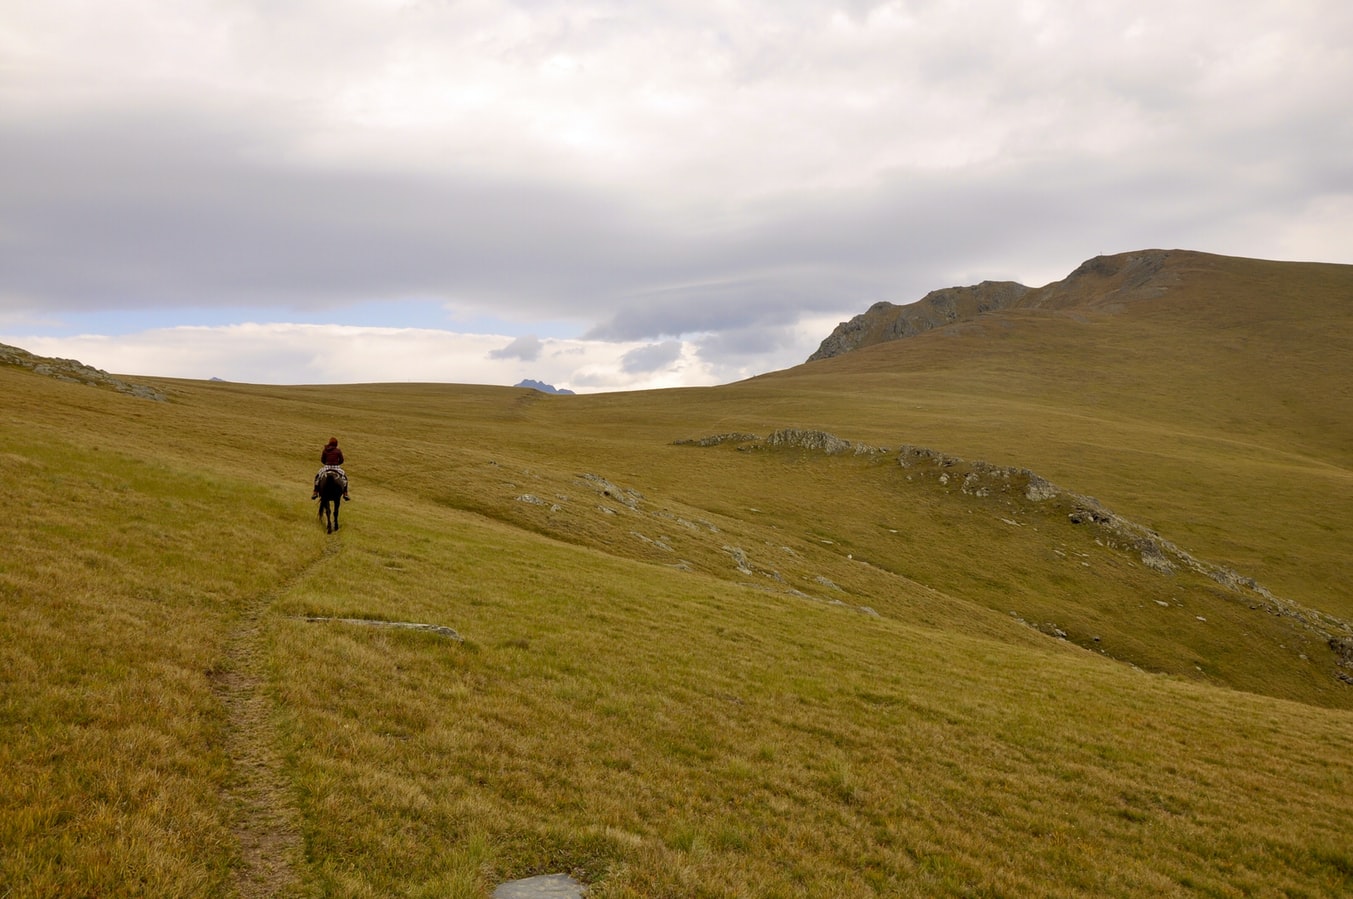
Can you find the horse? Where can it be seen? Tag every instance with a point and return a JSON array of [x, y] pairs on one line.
[[330, 498]]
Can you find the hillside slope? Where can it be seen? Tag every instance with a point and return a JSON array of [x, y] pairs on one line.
[[1208, 397], [704, 647]]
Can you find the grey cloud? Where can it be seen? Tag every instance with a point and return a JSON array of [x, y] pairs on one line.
[[140, 214], [134, 215], [713, 306], [738, 343], [651, 358], [182, 209], [526, 348]]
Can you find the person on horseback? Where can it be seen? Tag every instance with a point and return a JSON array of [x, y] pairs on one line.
[[331, 459]]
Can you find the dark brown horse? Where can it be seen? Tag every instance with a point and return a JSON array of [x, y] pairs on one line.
[[331, 489]]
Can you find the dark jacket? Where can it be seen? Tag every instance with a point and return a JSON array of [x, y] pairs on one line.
[[331, 455]]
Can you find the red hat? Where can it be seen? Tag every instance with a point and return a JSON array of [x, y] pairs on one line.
[[333, 441]]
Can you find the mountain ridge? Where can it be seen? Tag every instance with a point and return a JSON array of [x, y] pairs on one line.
[[1105, 284]]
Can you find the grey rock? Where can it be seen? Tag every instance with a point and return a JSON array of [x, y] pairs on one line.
[[440, 630], [545, 886], [819, 441], [885, 321], [74, 372]]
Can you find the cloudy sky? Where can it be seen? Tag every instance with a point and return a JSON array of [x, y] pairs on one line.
[[617, 194]]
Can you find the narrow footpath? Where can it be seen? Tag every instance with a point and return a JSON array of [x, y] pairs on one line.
[[264, 817]]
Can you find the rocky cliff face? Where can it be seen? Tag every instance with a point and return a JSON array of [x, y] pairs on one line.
[[1104, 282], [885, 321]]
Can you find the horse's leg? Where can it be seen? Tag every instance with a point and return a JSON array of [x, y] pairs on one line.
[[338, 501]]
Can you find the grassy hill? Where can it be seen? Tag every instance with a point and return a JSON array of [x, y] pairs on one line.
[[772, 664]]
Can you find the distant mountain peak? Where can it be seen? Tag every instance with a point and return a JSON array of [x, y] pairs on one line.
[[544, 388]]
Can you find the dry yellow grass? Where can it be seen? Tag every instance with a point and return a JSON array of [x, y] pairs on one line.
[[685, 671]]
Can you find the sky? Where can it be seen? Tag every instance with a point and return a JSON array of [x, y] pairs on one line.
[[618, 194]]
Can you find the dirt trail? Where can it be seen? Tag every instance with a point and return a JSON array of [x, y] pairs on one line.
[[264, 817]]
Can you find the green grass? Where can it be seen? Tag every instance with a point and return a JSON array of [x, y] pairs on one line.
[[686, 671]]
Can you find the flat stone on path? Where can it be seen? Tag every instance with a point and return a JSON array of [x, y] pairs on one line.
[[546, 886]]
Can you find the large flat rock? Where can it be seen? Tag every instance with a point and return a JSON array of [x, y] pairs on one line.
[[545, 886]]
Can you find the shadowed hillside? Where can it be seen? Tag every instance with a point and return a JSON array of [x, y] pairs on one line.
[[1049, 600]]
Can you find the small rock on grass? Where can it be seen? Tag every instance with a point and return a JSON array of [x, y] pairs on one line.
[[546, 886]]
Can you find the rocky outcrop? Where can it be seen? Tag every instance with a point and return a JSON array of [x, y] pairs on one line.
[[1020, 486], [885, 321], [983, 479], [788, 438], [74, 372], [818, 441], [716, 439]]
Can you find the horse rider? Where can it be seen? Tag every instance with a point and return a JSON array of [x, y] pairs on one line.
[[331, 458]]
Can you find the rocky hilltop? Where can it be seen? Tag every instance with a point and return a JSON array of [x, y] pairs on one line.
[[75, 372], [886, 321], [1103, 283]]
